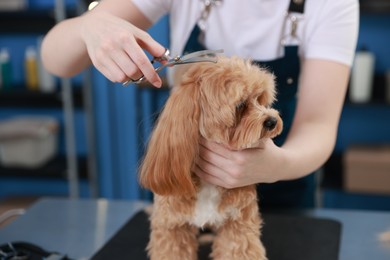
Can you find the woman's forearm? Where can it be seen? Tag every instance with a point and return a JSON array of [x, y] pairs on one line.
[[63, 50], [313, 135], [308, 149]]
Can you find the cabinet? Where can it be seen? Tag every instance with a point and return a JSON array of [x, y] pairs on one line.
[[72, 171]]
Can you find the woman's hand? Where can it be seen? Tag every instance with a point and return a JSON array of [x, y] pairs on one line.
[[116, 47], [112, 36], [231, 169]]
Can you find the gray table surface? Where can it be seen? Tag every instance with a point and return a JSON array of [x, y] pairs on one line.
[[80, 228]]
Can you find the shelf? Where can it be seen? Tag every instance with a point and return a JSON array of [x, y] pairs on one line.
[[54, 175], [28, 21], [55, 168], [24, 98], [375, 6]]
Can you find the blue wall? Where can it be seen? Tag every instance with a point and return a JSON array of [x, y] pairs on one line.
[[49, 4], [374, 34]]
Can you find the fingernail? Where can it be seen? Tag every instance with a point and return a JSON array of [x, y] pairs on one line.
[[157, 83]]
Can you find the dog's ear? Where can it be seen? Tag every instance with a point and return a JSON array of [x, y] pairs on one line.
[[173, 147]]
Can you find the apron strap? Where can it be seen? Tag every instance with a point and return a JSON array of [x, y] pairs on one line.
[[296, 6]]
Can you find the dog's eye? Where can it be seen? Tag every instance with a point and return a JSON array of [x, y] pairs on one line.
[[261, 100], [264, 100], [240, 107]]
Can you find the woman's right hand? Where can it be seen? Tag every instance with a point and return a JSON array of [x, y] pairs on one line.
[[117, 48]]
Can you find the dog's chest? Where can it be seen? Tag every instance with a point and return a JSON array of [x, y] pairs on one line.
[[207, 207]]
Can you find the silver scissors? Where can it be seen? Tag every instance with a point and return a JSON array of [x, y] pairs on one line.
[[167, 61]]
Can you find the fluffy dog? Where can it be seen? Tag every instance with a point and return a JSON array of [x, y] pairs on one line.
[[227, 102]]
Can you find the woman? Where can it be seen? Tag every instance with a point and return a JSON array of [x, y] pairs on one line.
[[308, 45]]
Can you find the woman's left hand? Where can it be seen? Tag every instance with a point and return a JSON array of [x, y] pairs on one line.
[[231, 168]]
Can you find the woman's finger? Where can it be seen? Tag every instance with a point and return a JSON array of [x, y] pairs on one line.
[[126, 64], [111, 70], [216, 148], [149, 44], [210, 178], [214, 158], [138, 56]]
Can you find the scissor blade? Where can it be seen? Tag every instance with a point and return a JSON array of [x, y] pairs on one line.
[[200, 54], [198, 59]]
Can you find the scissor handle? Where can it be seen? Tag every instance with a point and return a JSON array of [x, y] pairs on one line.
[[165, 57], [143, 78]]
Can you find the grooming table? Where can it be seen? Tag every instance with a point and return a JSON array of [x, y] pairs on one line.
[[113, 229], [284, 237]]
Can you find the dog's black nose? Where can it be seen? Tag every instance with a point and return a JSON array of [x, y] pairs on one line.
[[270, 123]]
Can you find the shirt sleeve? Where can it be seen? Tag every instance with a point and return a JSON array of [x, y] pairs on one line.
[[334, 35], [153, 9]]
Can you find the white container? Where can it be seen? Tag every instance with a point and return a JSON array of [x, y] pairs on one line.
[[13, 5], [362, 77], [27, 142]]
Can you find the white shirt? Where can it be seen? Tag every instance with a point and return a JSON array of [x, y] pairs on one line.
[[254, 29]]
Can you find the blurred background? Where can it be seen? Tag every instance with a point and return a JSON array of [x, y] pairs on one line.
[[83, 137]]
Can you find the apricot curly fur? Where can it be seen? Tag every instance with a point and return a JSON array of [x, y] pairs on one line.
[[227, 102]]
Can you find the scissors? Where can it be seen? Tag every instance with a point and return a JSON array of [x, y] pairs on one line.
[[167, 61]]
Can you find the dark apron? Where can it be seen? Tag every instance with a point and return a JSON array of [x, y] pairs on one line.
[[283, 194]]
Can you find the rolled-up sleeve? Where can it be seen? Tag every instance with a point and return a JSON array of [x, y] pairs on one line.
[[335, 34]]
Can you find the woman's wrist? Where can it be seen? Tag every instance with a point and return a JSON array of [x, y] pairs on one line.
[[286, 165]]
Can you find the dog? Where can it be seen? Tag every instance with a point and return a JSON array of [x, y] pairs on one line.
[[227, 102]]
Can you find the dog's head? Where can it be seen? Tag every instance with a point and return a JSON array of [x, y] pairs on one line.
[[228, 102]]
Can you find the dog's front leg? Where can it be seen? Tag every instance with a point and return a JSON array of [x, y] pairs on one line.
[[239, 239], [177, 243]]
